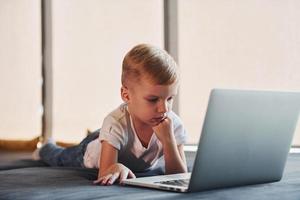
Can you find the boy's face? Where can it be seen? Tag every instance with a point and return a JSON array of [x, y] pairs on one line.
[[148, 103]]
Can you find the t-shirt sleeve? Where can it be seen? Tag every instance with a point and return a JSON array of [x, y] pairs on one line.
[[179, 130], [111, 132]]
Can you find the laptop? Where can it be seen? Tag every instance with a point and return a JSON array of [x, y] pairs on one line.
[[246, 137]]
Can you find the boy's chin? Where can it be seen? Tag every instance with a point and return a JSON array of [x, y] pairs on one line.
[[150, 123], [154, 123]]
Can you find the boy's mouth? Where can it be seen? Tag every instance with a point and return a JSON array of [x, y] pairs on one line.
[[158, 119]]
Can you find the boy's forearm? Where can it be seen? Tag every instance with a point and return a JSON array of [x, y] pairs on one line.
[[173, 161]]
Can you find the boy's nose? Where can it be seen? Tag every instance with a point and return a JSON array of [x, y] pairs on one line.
[[163, 107]]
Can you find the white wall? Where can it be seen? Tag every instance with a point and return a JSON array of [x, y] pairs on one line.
[[90, 39], [20, 69], [229, 44], [235, 44]]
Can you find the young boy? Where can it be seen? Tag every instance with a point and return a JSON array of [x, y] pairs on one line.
[[141, 130]]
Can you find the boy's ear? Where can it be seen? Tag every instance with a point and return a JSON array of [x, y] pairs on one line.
[[125, 94]]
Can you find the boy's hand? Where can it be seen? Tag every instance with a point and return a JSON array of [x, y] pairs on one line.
[[164, 130], [113, 173]]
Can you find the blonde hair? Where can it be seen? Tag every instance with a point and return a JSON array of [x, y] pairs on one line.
[[150, 62]]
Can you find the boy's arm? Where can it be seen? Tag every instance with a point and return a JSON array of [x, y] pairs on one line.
[[109, 168], [108, 157], [175, 161]]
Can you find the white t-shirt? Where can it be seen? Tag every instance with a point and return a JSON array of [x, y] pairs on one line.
[[117, 129]]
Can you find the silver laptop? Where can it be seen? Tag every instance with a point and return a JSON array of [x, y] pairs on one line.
[[245, 139]]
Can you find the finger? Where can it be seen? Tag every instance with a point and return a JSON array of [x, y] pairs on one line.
[[98, 180], [113, 178], [131, 174], [123, 175], [105, 179], [165, 116]]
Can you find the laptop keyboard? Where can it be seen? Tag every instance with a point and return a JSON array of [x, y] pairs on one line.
[[179, 182]]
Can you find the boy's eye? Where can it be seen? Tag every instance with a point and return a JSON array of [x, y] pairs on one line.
[[153, 100], [170, 98]]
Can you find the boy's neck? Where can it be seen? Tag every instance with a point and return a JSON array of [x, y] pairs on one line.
[[143, 131]]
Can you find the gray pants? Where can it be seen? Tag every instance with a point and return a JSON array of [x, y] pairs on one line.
[[54, 155]]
